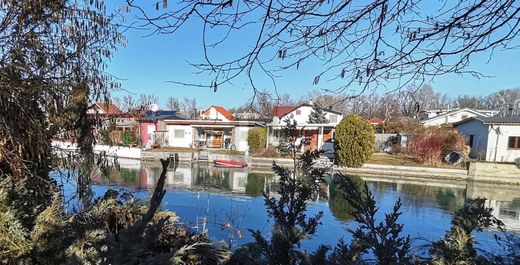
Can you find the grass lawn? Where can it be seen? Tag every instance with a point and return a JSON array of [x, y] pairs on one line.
[[403, 160]]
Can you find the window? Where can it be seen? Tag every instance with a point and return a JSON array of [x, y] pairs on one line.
[[514, 142], [464, 117], [333, 118], [298, 112], [178, 133]]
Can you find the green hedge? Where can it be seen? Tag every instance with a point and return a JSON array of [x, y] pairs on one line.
[[256, 138], [354, 141]]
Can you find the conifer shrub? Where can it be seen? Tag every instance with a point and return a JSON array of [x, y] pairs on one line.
[[256, 138], [354, 141], [128, 138]]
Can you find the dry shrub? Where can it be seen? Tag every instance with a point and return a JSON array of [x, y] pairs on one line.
[[431, 144], [427, 148]]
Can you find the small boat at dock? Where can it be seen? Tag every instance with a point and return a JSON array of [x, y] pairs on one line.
[[229, 163]]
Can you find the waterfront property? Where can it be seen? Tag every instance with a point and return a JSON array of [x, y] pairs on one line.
[[492, 138], [215, 128], [316, 133], [444, 117], [213, 134], [153, 130]]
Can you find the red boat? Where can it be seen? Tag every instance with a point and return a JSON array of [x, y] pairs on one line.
[[229, 163]]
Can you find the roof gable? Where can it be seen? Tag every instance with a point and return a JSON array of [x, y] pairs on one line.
[[492, 120], [455, 112], [107, 108], [225, 113]]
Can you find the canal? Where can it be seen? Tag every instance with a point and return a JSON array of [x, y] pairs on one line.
[[226, 203]]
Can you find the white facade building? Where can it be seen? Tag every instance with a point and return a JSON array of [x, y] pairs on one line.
[[316, 133], [210, 134], [492, 138], [435, 118]]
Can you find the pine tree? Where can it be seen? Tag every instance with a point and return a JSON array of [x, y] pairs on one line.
[[317, 115]]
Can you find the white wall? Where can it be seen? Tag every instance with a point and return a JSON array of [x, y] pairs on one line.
[[240, 135], [185, 141], [503, 152], [303, 117], [480, 137], [451, 118]]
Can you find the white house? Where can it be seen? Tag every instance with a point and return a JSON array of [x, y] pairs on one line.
[[492, 138], [217, 113], [316, 133], [433, 118], [210, 133]]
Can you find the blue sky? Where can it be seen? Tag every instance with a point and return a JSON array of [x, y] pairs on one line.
[[147, 62]]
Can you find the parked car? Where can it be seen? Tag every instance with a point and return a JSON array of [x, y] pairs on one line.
[[328, 150]]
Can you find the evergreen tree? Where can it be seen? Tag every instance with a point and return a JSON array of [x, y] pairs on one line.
[[317, 115], [354, 141]]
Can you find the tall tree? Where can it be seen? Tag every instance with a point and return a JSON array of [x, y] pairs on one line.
[[317, 115], [51, 73]]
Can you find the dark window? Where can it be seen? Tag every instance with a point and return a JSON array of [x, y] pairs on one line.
[[464, 117], [469, 140], [514, 142], [298, 112]]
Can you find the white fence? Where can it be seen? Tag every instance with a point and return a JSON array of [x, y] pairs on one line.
[[119, 151]]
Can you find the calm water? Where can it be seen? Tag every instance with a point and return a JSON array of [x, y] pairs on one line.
[[231, 202]]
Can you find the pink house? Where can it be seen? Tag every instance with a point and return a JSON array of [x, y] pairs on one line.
[[153, 129]]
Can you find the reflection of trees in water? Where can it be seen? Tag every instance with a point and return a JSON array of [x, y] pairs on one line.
[[255, 184], [126, 176], [211, 178], [416, 196], [338, 205]]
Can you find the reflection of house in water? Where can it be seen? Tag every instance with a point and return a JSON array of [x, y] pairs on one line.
[[504, 200], [198, 177]]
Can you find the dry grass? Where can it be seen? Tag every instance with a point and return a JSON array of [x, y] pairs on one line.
[[403, 160]]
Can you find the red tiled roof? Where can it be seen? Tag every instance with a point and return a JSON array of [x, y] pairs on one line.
[[279, 111], [375, 120], [222, 111], [108, 108]]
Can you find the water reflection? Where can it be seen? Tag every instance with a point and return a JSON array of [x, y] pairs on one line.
[[422, 200], [195, 177]]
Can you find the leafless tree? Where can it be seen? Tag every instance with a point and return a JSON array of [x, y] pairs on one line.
[[362, 45], [173, 104], [128, 103], [146, 100], [188, 108]]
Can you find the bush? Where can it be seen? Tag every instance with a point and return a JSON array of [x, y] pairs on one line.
[[128, 138], [256, 138], [430, 145], [427, 148], [354, 141]]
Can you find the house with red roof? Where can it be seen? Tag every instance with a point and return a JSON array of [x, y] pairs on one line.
[[217, 113], [316, 133], [215, 128]]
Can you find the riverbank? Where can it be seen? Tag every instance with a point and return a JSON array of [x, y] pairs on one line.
[[477, 171]]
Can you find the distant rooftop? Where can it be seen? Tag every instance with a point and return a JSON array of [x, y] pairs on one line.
[[492, 120]]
